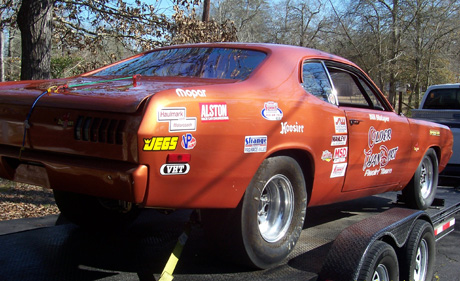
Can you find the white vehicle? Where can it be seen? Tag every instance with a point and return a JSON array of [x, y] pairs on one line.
[[441, 104]]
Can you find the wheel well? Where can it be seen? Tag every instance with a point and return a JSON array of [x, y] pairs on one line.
[[305, 161], [437, 150]]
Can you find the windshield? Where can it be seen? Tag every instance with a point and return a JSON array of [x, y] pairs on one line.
[[218, 63], [443, 99]]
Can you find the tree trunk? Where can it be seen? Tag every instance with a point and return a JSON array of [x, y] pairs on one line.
[[34, 21], [2, 62]]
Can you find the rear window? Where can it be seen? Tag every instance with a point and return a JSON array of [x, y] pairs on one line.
[[443, 99], [217, 63]]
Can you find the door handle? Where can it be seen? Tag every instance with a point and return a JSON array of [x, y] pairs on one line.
[[355, 122]]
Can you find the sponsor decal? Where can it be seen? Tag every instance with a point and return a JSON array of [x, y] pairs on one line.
[[338, 170], [384, 154], [174, 169], [213, 112], [416, 147], [254, 144], [339, 140], [379, 117], [271, 111], [65, 121], [177, 119], [340, 123], [160, 144], [435, 133], [191, 93], [340, 154], [286, 128], [188, 141], [326, 156]]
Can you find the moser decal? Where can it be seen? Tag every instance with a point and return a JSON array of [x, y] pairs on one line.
[[340, 154], [191, 93], [340, 124], [271, 111], [188, 141], [326, 156], [214, 112], [177, 119], [338, 140], [338, 170], [380, 159], [160, 144], [254, 144], [379, 117], [174, 169], [287, 128]]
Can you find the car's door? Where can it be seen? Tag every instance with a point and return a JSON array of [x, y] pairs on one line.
[[378, 138]]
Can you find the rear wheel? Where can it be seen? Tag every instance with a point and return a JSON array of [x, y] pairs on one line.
[[418, 255], [380, 263], [421, 190], [267, 223], [90, 211]]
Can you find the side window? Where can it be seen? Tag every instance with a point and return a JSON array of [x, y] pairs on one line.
[[353, 91], [316, 82]]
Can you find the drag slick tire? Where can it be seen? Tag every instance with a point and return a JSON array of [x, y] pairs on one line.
[[380, 263], [94, 212], [417, 257], [421, 190], [267, 223]]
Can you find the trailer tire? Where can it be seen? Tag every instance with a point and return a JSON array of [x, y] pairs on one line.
[[93, 212], [267, 223], [421, 190], [379, 263], [418, 254]]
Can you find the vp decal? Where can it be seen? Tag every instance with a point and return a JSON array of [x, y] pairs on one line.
[[188, 141]]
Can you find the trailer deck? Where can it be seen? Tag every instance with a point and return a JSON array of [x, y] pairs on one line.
[[67, 252]]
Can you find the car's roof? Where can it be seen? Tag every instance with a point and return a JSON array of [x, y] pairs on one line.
[[443, 86]]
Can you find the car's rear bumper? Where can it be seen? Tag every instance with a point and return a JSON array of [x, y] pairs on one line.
[[92, 176]]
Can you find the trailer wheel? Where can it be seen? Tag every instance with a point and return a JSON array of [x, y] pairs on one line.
[[418, 254], [380, 263], [94, 212], [267, 223], [421, 190]]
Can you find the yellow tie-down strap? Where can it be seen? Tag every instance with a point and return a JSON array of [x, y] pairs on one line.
[[166, 275]]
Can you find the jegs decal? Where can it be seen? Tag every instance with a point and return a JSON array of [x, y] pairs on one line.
[[160, 144], [174, 169], [188, 141], [271, 111], [338, 140], [340, 123], [213, 112], [381, 158], [177, 118], [254, 144]]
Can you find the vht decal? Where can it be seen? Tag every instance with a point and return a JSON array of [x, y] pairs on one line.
[[174, 169], [160, 144]]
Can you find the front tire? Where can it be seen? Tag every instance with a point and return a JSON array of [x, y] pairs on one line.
[[267, 223], [421, 190], [94, 212]]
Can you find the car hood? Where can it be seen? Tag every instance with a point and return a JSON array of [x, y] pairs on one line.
[[113, 94]]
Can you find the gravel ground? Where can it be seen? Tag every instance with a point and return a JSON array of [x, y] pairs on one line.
[[19, 201]]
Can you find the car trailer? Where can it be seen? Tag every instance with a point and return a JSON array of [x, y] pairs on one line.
[[362, 239]]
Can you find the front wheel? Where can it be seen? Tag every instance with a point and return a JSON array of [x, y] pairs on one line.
[[267, 223], [421, 190]]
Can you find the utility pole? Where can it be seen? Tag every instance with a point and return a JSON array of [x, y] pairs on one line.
[[206, 8]]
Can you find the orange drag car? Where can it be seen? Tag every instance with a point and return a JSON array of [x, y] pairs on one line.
[[250, 134]]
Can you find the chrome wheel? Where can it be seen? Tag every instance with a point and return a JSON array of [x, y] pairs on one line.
[[426, 177], [381, 273], [421, 261], [276, 208]]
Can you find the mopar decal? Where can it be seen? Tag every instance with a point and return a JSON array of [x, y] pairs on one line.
[[160, 144], [191, 93], [174, 169]]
